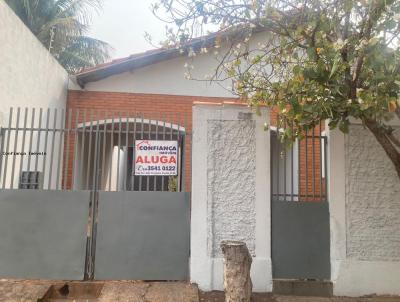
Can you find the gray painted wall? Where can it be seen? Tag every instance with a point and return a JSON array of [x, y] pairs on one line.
[[143, 235], [43, 234]]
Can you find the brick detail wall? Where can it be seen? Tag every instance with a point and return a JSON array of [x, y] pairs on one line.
[[311, 181], [177, 109]]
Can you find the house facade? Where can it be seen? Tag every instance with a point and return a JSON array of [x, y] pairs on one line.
[[327, 210]]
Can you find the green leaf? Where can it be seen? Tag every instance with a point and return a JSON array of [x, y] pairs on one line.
[[344, 126], [335, 66], [332, 124]]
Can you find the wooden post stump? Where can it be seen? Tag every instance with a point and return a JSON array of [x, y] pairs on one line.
[[237, 263]]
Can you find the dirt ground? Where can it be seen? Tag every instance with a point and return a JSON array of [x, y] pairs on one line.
[[137, 291], [268, 297], [112, 291], [217, 296]]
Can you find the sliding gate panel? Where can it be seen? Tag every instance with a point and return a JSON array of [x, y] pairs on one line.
[[43, 234], [143, 235]]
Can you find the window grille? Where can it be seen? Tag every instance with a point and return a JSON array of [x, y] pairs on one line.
[[30, 180]]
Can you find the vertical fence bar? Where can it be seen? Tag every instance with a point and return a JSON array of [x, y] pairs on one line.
[[96, 154], [89, 154], [83, 147], [171, 133], [38, 139], [141, 137], [61, 144], [52, 148], [278, 164], [178, 164], [21, 163], [149, 137], [133, 154], [76, 150], [306, 191], [320, 160], [15, 147], [164, 135], [272, 163], [112, 150], [103, 160], [185, 141], [7, 148], [126, 151], [66, 157], [326, 169], [156, 137], [2, 136], [292, 167], [119, 148], [31, 139], [46, 136], [284, 167], [313, 162]]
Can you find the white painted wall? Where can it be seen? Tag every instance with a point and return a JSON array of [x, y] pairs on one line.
[[230, 193], [29, 77], [168, 77], [364, 199]]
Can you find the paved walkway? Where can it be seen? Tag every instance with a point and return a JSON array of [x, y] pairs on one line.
[[219, 297], [136, 291], [113, 291]]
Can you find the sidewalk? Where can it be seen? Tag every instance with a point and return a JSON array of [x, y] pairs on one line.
[[137, 291], [219, 297], [113, 291]]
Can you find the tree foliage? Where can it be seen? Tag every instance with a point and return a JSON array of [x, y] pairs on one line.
[[320, 59], [62, 26]]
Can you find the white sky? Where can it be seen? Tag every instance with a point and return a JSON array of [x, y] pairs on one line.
[[123, 23]]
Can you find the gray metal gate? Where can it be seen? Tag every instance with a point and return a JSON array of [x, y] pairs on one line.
[[299, 207], [68, 193]]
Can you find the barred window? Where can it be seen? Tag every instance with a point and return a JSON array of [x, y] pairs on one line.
[[30, 180]]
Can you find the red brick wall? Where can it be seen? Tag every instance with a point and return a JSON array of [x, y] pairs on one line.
[[177, 109], [311, 184]]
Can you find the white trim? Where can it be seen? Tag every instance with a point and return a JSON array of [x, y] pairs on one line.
[[337, 199], [137, 120]]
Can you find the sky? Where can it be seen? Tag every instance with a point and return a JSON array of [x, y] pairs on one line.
[[123, 23]]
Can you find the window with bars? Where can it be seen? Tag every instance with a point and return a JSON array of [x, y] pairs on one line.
[[30, 180]]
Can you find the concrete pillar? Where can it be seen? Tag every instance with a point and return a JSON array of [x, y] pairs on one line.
[[230, 192]]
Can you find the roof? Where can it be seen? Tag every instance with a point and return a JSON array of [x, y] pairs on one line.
[[146, 58]]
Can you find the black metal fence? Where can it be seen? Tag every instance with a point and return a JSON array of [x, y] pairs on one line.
[[299, 172], [86, 149]]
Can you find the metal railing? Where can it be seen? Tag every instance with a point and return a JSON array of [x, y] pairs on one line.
[[299, 172], [86, 149]]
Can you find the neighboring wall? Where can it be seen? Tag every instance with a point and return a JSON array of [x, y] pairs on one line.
[[230, 192], [29, 75], [365, 215]]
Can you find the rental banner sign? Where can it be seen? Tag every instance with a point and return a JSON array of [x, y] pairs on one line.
[[154, 157]]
